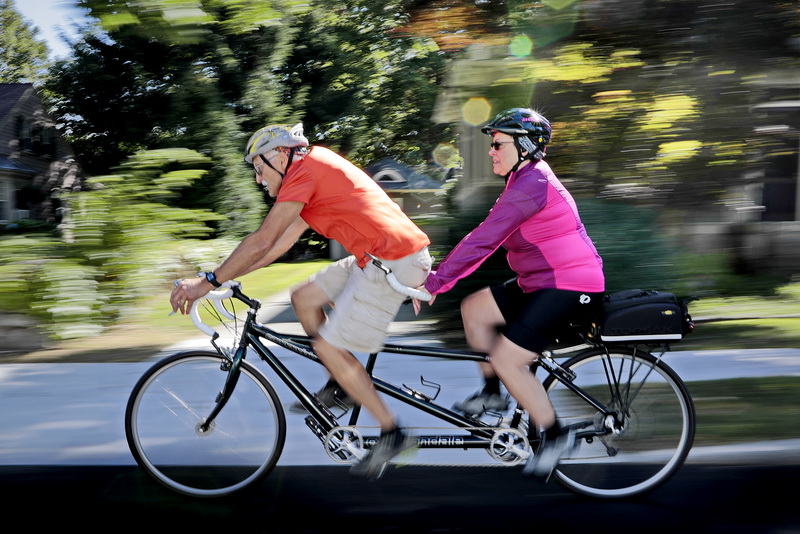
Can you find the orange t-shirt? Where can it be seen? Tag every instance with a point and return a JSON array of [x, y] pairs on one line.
[[343, 203]]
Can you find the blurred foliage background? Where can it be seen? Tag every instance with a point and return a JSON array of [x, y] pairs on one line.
[[650, 100]]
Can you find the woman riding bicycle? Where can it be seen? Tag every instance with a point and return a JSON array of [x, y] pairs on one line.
[[559, 277]]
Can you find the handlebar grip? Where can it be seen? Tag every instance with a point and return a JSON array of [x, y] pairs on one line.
[[419, 294], [222, 310], [216, 295]]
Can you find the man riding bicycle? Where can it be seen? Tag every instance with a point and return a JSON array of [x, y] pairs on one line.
[[314, 187]]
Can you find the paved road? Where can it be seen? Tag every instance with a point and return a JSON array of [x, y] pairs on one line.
[[707, 499], [72, 413]]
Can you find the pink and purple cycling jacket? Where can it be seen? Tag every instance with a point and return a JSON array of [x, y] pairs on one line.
[[537, 221]]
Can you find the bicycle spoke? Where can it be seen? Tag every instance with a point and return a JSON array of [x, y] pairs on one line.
[[644, 442], [163, 417]]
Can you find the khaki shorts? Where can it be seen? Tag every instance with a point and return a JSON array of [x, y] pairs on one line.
[[364, 304]]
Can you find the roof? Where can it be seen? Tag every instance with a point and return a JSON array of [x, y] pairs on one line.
[[7, 164], [10, 93], [391, 174]]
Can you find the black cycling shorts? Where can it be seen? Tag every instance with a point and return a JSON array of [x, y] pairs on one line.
[[535, 320]]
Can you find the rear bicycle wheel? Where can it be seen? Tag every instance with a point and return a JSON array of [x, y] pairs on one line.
[[172, 399], [644, 444]]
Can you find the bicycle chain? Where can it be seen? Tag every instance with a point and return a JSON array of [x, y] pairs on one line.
[[488, 464], [402, 463]]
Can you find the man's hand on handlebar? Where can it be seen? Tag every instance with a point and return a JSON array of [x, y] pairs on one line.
[[186, 292]]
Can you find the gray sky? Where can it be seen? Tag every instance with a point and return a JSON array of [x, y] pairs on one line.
[[52, 17]]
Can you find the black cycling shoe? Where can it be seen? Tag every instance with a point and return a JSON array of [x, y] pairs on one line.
[[331, 395], [482, 401], [389, 445], [552, 449]]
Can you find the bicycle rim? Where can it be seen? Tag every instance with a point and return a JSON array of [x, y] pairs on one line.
[[656, 431], [174, 397]]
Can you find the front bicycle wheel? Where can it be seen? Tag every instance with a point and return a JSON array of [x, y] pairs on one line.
[[170, 402], [646, 441]]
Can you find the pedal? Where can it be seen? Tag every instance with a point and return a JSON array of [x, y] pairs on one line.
[[498, 416], [339, 404]]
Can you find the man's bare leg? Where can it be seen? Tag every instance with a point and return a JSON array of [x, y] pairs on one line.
[[354, 379], [308, 302]]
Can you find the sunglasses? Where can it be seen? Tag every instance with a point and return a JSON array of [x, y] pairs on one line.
[[257, 168], [497, 145]]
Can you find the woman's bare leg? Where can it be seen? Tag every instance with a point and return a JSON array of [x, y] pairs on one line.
[[511, 363], [481, 317]]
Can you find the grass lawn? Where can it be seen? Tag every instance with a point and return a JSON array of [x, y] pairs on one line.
[[150, 328], [746, 322], [260, 284], [744, 409], [745, 334]]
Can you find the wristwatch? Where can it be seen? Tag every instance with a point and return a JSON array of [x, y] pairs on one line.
[[212, 279]]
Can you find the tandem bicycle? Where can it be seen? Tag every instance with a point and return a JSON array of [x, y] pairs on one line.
[[208, 423]]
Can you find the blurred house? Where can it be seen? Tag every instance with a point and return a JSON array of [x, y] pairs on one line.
[[765, 231], [415, 193], [776, 117], [418, 195], [36, 164], [758, 222]]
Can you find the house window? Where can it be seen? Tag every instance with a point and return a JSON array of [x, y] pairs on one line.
[[4, 199], [25, 134], [36, 137], [48, 142]]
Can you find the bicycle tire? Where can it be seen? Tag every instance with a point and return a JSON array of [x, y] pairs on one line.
[[174, 396], [655, 436]]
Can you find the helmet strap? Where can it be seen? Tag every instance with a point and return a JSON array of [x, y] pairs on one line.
[[266, 161], [520, 160], [292, 151]]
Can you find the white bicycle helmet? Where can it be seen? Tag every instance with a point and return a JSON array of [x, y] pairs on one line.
[[272, 137]]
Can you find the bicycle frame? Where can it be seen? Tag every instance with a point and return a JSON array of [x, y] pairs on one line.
[[627, 443], [321, 420]]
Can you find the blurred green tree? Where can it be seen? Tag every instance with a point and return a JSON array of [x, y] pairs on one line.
[[165, 75], [154, 76], [23, 56], [120, 241]]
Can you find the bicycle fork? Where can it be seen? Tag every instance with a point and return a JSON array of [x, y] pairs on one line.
[[232, 366]]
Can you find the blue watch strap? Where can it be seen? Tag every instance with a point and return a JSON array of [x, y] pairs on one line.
[[211, 277]]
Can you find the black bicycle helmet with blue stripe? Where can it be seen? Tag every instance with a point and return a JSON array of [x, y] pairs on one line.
[[531, 131]]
